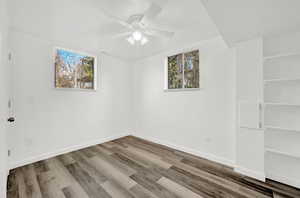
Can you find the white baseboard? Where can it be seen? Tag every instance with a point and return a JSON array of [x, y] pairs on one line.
[[30, 160], [250, 173], [286, 180], [208, 156]]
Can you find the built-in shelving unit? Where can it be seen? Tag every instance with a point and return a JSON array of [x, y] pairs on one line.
[[268, 127], [282, 117], [281, 55], [282, 104], [281, 80], [279, 152]]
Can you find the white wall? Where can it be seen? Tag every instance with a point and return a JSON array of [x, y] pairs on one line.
[[4, 94], [202, 121], [49, 120]]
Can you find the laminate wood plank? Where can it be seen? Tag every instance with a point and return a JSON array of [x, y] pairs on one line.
[[13, 185], [145, 142], [227, 174], [104, 149], [47, 181], [138, 191], [149, 173], [276, 195], [68, 192], [154, 148], [147, 159], [202, 161], [120, 142], [147, 156], [63, 177], [135, 168], [200, 187], [60, 172], [152, 186], [220, 181], [144, 155], [131, 156], [127, 170], [115, 190], [20, 182], [84, 163], [215, 188], [177, 189], [49, 185], [112, 173], [90, 186], [111, 145], [72, 192], [280, 188], [41, 167], [66, 159], [32, 187], [88, 152]]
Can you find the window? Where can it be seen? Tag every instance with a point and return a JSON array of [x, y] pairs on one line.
[[183, 70]]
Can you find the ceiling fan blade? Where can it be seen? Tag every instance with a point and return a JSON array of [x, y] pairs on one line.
[[123, 23], [161, 3], [153, 11], [116, 19], [159, 33], [155, 8], [135, 18], [120, 35]]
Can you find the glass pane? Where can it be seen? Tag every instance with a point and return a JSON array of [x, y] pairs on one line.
[[191, 69], [175, 72], [74, 70]]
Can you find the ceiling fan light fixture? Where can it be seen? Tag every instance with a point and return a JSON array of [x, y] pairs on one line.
[[137, 35], [131, 40], [144, 40], [137, 38]]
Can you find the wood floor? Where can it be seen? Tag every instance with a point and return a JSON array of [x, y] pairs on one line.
[[134, 168]]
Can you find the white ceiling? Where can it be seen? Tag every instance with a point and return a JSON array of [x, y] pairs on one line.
[[83, 23], [239, 20]]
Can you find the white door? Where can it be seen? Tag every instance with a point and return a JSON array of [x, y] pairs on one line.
[[250, 134], [4, 97]]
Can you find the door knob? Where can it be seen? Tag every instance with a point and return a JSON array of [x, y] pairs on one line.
[[11, 119]]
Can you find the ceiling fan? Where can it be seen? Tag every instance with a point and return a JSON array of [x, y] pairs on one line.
[[138, 31]]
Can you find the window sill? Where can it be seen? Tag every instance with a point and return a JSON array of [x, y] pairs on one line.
[[182, 90]]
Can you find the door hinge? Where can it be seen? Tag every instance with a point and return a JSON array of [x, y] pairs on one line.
[[260, 125], [9, 56], [260, 106], [8, 153], [9, 104]]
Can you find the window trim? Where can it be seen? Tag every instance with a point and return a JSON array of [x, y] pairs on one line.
[[182, 51]]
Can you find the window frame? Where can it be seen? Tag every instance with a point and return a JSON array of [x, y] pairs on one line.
[[183, 52]]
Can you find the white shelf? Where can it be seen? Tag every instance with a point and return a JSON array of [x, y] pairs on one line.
[[282, 80], [281, 129], [282, 153], [266, 58], [281, 96], [282, 104], [284, 179]]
